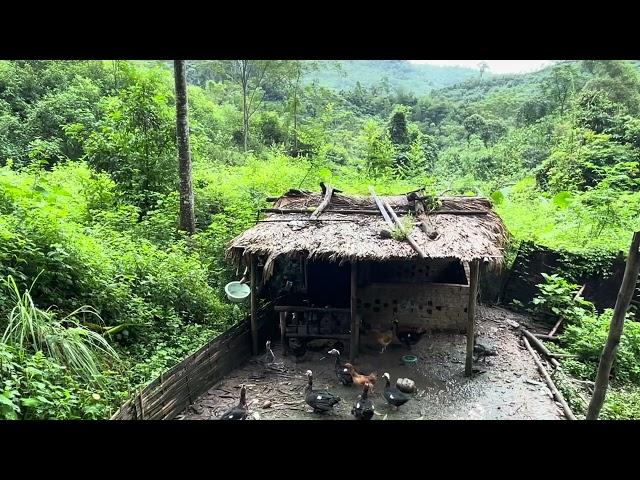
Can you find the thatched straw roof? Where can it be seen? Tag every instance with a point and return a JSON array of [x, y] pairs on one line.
[[338, 236]]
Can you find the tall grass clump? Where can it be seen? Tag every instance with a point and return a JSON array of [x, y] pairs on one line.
[[64, 340]]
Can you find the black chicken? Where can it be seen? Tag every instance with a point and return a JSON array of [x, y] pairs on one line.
[[298, 347], [240, 411], [320, 400], [409, 336], [394, 396], [480, 351], [363, 408], [342, 372]]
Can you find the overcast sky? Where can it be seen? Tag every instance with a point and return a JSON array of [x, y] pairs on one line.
[[495, 66]]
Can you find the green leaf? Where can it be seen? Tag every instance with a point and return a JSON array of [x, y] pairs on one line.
[[562, 199], [497, 197]]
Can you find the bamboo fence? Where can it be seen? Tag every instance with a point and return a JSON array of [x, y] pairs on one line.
[[178, 387]]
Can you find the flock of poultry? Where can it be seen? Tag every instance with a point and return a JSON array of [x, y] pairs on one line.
[[322, 401]]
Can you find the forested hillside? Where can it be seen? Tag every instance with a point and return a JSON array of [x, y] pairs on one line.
[[89, 192]]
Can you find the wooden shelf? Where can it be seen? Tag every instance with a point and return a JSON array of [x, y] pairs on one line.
[[344, 336], [300, 308]]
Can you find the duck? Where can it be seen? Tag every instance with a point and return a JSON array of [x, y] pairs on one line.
[[410, 336], [240, 411], [342, 372], [392, 395], [269, 356], [320, 400], [361, 379], [363, 408]]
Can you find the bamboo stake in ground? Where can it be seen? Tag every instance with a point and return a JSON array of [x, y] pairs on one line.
[[625, 294], [559, 322], [552, 386]]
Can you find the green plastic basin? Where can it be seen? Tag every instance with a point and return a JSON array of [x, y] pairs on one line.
[[237, 292], [409, 359]]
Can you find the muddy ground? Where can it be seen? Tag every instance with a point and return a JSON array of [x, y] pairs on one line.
[[507, 386]]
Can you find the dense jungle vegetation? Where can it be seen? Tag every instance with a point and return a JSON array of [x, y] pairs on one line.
[[100, 290]]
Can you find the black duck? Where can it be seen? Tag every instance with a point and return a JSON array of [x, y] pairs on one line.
[[320, 400], [392, 395], [363, 408], [342, 372], [240, 411]]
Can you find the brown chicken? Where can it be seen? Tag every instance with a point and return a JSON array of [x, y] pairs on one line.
[[361, 379], [383, 339]]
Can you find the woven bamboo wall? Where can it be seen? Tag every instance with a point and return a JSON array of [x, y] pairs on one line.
[[178, 387]]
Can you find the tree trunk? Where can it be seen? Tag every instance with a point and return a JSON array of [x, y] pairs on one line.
[[245, 105], [615, 330], [187, 214]]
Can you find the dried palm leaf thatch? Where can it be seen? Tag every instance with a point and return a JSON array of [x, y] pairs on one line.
[[478, 234]]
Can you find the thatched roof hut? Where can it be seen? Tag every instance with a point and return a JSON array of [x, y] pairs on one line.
[[411, 259], [349, 229]]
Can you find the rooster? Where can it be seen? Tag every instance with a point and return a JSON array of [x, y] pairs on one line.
[[359, 379]]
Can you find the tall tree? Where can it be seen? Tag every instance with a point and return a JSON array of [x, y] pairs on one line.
[[615, 330], [483, 67], [187, 213], [250, 75]]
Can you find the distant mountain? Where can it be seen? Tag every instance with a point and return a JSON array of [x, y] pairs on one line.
[[401, 74]]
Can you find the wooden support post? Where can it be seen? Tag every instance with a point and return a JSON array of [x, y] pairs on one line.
[[254, 309], [616, 327], [474, 269], [355, 325], [283, 326]]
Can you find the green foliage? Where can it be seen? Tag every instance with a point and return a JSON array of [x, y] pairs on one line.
[[66, 341], [556, 298]]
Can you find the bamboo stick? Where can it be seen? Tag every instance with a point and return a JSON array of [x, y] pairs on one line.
[[552, 386]]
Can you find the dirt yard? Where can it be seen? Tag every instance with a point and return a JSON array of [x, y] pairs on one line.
[[507, 386]]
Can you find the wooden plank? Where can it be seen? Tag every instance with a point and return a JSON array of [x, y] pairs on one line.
[[381, 207], [298, 308], [474, 268], [254, 303], [327, 198], [355, 324], [344, 211]]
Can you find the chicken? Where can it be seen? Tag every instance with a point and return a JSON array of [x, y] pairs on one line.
[[383, 338], [359, 379], [408, 336], [480, 351]]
